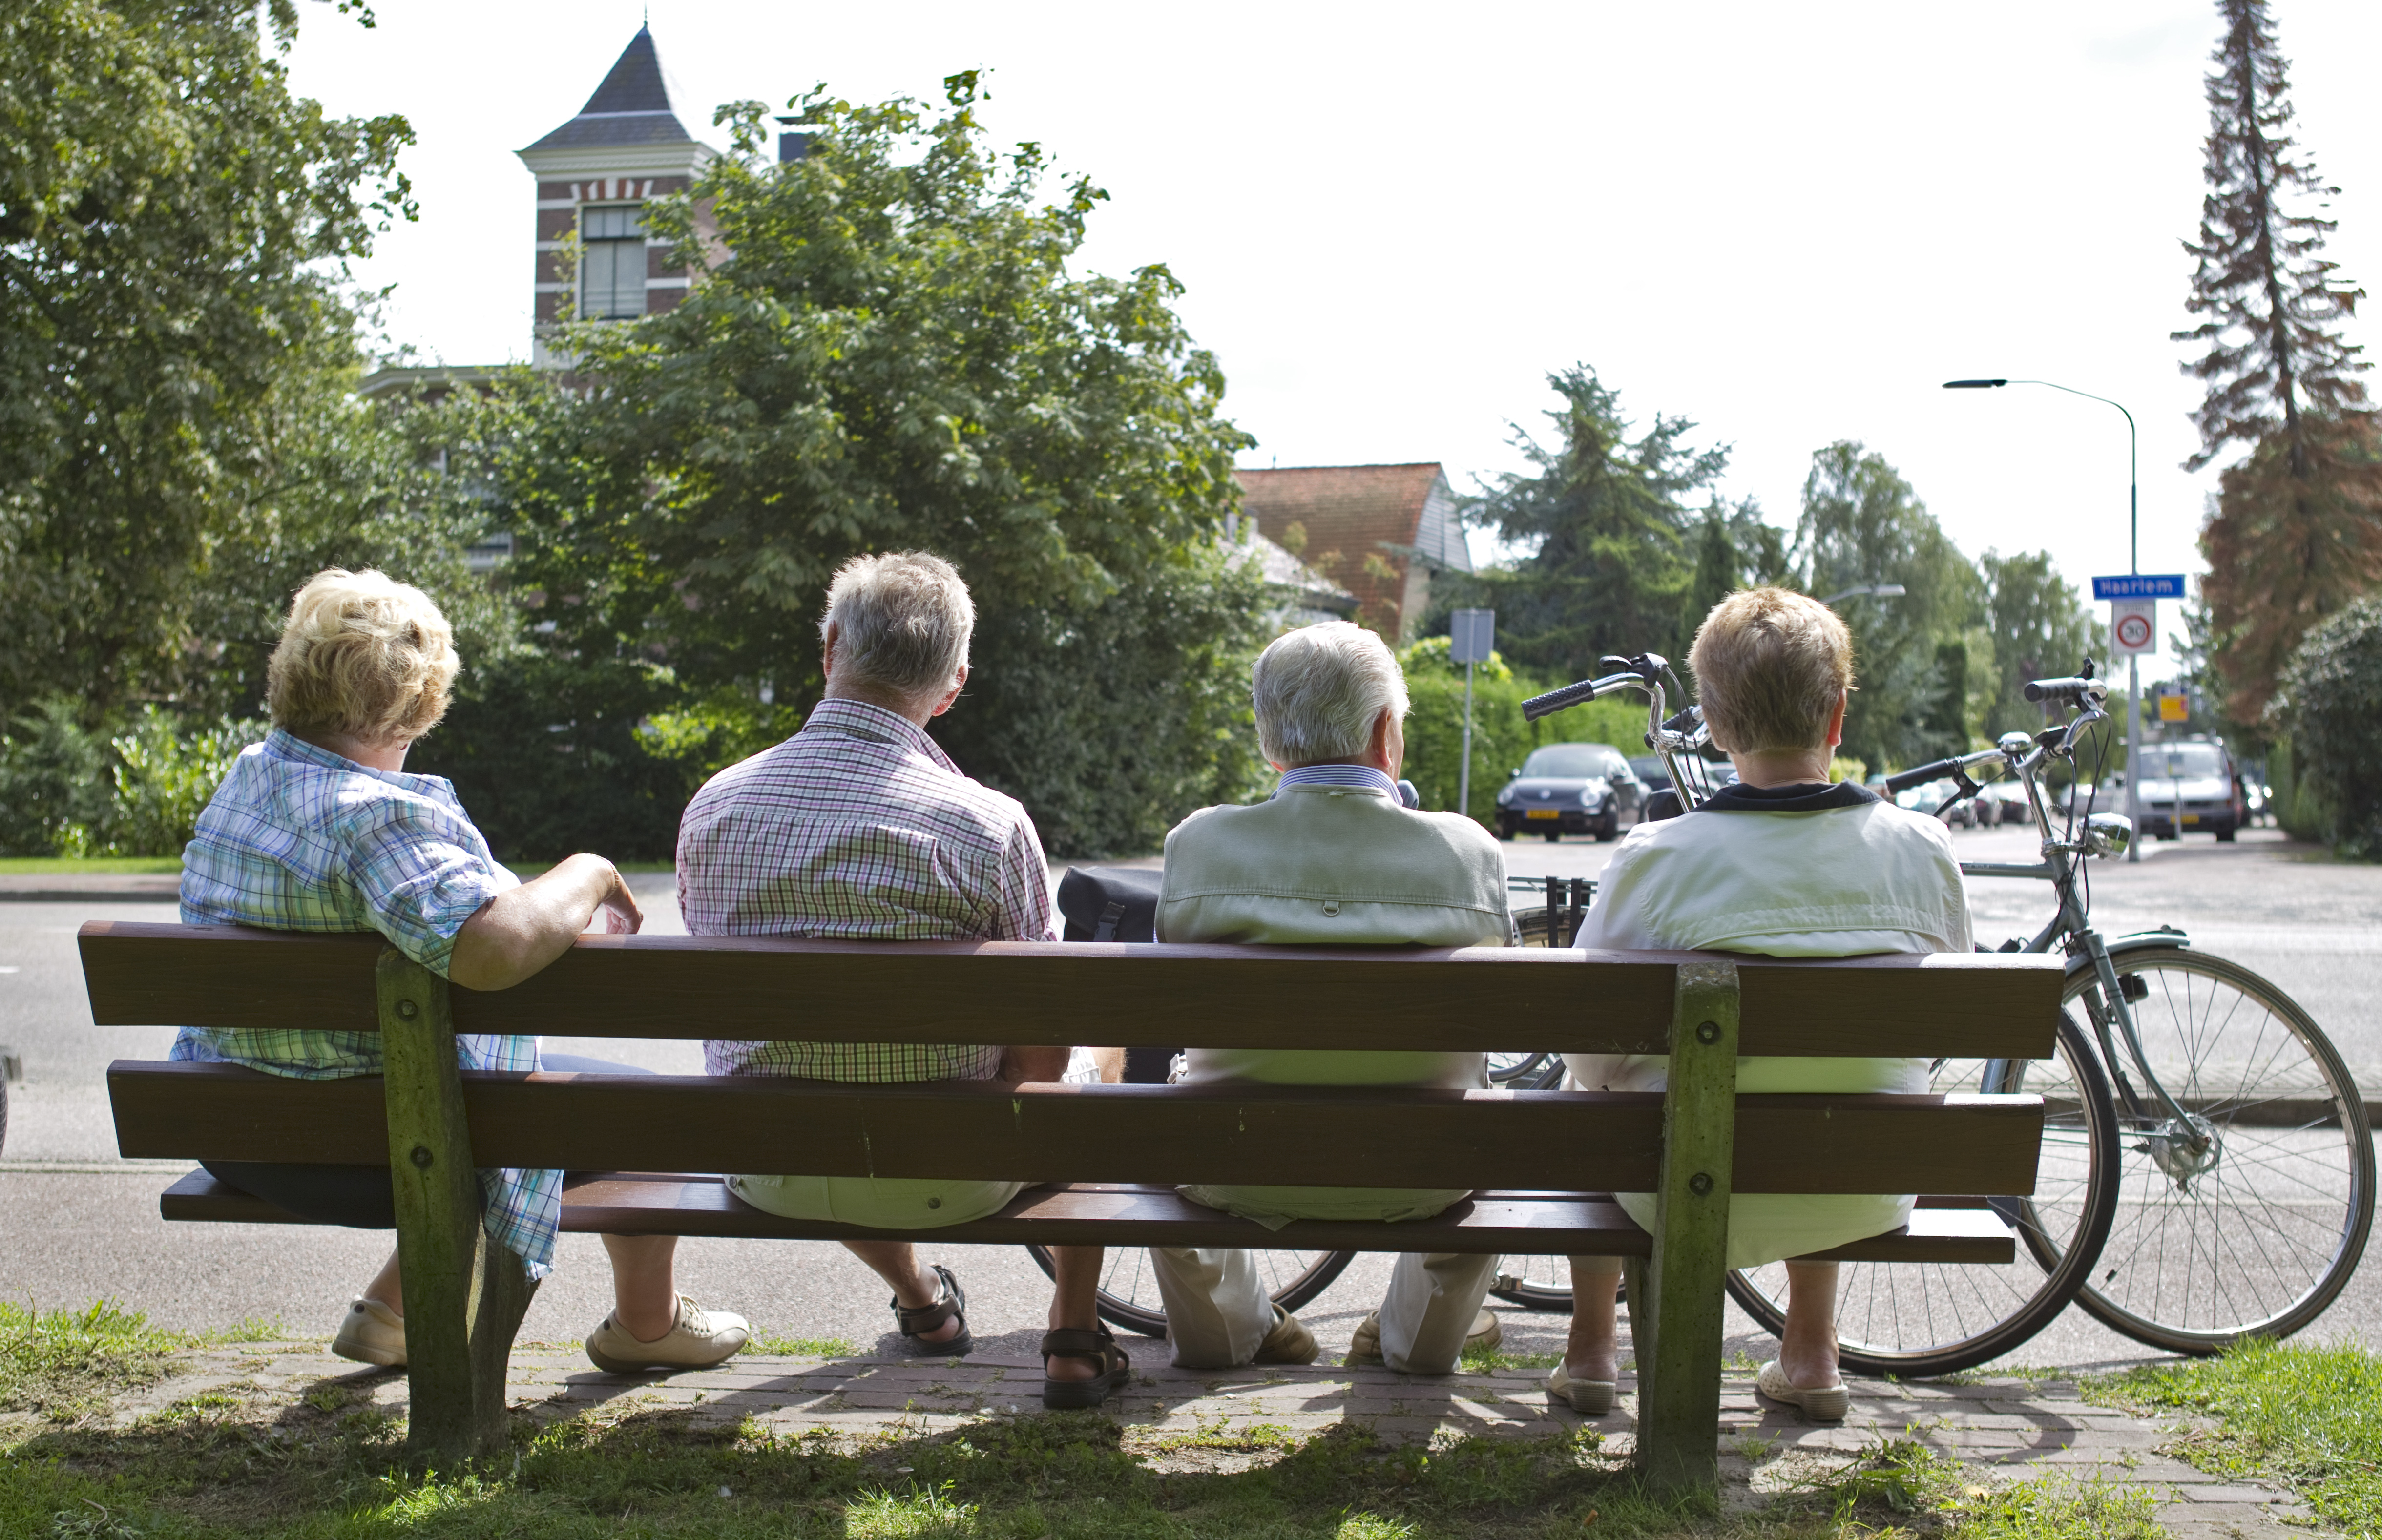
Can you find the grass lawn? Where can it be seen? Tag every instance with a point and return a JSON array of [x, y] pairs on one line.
[[225, 1461], [106, 866], [2309, 1415]]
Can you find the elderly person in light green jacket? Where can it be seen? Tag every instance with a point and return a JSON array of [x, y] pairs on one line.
[[1332, 858]]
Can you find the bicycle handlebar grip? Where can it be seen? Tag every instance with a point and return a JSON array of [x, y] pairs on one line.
[[1556, 700], [2061, 690], [1920, 775]]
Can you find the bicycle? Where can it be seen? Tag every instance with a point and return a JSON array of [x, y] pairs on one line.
[[2238, 1206], [2208, 1167]]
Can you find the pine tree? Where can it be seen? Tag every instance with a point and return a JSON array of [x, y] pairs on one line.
[[1604, 512], [2296, 534]]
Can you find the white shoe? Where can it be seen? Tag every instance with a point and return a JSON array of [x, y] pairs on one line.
[[372, 1334], [1365, 1342], [697, 1339], [1589, 1398], [1827, 1404]]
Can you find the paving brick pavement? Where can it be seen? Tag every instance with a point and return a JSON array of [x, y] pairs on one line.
[[2002, 1428]]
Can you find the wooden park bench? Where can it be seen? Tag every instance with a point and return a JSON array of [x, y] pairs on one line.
[[1543, 1163]]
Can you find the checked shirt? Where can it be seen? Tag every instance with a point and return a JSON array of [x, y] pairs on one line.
[[859, 827], [299, 838]]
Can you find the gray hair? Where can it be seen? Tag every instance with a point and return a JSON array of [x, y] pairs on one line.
[[1319, 691], [902, 620]]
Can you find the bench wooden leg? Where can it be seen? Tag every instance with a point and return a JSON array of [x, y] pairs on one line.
[[1676, 1332], [464, 1293]]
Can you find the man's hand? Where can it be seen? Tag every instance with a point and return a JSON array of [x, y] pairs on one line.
[[517, 933]]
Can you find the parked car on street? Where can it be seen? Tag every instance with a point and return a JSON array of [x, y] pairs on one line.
[[2191, 786], [2006, 802], [1931, 798], [1571, 789]]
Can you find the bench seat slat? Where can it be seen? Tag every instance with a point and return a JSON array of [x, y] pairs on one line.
[[1125, 1214], [1370, 1136], [1984, 1006]]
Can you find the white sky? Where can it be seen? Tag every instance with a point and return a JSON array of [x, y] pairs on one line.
[[1788, 223]]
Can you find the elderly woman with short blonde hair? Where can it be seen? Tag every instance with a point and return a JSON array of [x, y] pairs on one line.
[[1781, 864], [320, 829]]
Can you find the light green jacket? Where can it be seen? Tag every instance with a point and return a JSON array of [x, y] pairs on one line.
[[1332, 865]]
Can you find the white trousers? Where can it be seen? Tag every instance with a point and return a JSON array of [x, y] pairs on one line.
[[1217, 1309]]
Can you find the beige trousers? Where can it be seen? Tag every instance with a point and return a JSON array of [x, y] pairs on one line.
[[1217, 1309]]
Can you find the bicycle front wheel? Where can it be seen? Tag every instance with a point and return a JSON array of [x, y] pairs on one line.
[[2248, 1219], [1128, 1299], [1920, 1318]]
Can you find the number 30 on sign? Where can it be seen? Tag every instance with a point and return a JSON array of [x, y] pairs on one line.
[[2133, 625]]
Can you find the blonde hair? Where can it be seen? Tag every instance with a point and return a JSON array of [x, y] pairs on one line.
[[1770, 667], [364, 656], [1319, 691], [902, 620]]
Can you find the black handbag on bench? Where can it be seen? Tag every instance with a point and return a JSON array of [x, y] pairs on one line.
[[1116, 903]]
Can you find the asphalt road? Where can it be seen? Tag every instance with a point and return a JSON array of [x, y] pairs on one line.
[[76, 1223]]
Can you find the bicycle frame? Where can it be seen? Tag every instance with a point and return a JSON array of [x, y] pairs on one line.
[[2183, 1144]]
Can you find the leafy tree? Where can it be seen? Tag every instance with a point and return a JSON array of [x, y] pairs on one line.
[[1863, 524], [174, 229], [2039, 625], [887, 350], [2296, 533], [2329, 706]]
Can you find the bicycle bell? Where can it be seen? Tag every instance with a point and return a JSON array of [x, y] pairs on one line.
[[2017, 745]]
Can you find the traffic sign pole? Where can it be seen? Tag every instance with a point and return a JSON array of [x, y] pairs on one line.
[[1471, 633], [2133, 760], [2133, 631]]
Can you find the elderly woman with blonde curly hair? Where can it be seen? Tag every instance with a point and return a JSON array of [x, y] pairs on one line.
[[320, 829]]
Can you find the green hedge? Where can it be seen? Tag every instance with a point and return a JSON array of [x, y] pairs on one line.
[[2328, 707], [67, 790]]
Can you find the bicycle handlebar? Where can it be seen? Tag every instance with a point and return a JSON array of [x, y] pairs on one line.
[[1573, 695], [2071, 689], [1920, 775]]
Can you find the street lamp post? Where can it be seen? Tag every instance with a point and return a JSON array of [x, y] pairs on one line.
[[2133, 564]]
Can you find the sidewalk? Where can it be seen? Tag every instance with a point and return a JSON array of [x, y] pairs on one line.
[[2003, 1429]]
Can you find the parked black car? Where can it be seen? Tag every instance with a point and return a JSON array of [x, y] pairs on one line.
[[1571, 789]]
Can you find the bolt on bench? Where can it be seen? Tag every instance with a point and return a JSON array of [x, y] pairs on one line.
[[1543, 1163]]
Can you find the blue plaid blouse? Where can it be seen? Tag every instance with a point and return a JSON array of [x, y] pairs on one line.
[[299, 838]]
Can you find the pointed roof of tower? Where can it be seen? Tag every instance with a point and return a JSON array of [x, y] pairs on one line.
[[632, 107]]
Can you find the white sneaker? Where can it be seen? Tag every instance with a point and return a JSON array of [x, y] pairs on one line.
[[698, 1339], [372, 1334]]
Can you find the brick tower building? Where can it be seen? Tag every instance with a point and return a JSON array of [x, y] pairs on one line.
[[595, 173]]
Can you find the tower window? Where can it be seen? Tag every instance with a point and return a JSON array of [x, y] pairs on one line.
[[612, 273]]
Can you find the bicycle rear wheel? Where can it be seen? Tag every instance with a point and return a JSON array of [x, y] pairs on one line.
[[1921, 1318], [2257, 1233], [1128, 1291]]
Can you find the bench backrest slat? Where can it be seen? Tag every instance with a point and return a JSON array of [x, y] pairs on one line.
[[1967, 1006], [1370, 1136]]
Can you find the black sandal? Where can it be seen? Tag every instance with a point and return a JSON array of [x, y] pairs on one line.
[[1098, 1346], [926, 1317]]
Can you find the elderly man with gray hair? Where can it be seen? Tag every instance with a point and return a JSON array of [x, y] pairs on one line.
[[860, 827], [1332, 858]]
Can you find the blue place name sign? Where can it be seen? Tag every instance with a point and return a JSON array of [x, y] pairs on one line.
[[2140, 585]]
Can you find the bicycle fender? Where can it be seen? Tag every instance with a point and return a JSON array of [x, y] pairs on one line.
[[2165, 938]]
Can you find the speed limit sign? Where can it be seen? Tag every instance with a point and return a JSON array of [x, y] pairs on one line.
[[2133, 625]]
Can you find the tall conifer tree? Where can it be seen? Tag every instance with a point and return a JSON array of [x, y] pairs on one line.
[[2296, 534]]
